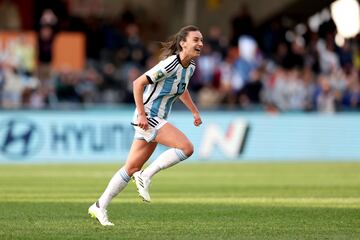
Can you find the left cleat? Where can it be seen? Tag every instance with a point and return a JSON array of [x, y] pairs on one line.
[[100, 214], [142, 185]]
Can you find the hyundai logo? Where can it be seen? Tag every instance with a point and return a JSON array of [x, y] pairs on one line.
[[19, 139]]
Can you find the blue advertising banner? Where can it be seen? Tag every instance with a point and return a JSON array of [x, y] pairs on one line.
[[282, 137], [64, 136], [106, 136]]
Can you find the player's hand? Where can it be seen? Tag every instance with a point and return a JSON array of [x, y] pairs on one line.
[[142, 122], [197, 119]]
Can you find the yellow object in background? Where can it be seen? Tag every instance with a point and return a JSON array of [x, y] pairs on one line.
[[213, 4]]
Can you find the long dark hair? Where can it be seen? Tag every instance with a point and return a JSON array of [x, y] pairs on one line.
[[172, 45]]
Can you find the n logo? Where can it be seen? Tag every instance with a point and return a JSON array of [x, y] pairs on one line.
[[231, 143]]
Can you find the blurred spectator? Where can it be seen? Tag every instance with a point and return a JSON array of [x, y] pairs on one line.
[[282, 51], [309, 82], [45, 43], [46, 36], [324, 96], [217, 41], [271, 37], [248, 61], [351, 94], [250, 94], [14, 85], [289, 92], [88, 87], [113, 39], [311, 58], [34, 98], [2, 82], [127, 16], [12, 89], [94, 37], [209, 97], [241, 24], [346, 56], [207, 64], [48, 18], [111, 88], [23, 56], [67, 87], [329, 61], [132, 74], [230, 80], [134, 50], [295, 57], [338, 82]]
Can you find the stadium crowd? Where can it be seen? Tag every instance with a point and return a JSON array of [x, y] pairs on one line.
[[274, 67]]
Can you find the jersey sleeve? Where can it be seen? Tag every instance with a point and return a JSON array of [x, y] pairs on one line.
[[162, 70]]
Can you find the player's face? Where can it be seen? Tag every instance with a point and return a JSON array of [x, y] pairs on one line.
[[193, 44]]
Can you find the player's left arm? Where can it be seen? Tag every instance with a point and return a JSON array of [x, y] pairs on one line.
[[187, 100]]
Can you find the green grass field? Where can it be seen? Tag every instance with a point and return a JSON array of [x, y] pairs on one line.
[[189, 201]]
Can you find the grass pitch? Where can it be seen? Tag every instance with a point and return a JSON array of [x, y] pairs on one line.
[[189, 201]]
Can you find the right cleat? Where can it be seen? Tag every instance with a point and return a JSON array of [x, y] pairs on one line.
[[142, 185], [100, 214]]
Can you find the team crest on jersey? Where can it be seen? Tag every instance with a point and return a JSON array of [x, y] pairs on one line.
[[159, 74]]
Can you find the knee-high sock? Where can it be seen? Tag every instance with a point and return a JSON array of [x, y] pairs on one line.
[[165, 160], [117, 183]]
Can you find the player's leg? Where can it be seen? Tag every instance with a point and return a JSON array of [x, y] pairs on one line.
[[139, 153], [180, 149]]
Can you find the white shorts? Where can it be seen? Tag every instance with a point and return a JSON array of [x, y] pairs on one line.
[[155, 123]]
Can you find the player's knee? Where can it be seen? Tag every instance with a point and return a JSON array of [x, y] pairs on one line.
[[131, 170], [188, 149]]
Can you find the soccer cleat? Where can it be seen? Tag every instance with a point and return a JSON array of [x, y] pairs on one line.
[[100, 214], [142, 185]]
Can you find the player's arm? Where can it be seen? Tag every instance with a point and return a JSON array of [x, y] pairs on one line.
[[187, 100], [138, 90]]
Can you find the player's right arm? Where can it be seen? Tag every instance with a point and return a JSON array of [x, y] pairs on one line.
[[138, 90]]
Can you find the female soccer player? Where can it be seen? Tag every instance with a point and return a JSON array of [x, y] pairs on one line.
[[165, 83]]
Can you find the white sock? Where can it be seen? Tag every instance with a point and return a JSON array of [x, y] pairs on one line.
[[165, 160], [117, 183]]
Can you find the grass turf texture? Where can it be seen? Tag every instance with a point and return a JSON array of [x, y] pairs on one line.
[[189, 201]]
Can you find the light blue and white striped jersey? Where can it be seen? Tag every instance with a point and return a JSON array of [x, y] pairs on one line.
[[169, 79]]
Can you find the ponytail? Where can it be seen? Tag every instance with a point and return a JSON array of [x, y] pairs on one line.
[[172, 45]]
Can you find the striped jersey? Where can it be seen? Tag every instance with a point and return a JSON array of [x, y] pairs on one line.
[[168, 80]]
